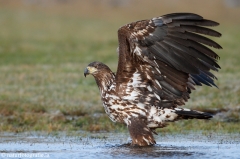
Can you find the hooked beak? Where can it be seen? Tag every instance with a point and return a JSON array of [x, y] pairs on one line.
[[86, 71], [89, 70]]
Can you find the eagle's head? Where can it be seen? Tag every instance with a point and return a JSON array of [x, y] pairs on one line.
[[102, 74], [96, 69]]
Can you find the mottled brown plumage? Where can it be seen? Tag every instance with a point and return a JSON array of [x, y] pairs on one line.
[[160, 61]]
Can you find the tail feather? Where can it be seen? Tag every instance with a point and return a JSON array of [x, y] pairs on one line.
[[191, 114]]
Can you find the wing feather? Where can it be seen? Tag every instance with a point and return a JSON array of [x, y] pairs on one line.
[[196, 29], [195, 22], [170, 55], [195, 37]]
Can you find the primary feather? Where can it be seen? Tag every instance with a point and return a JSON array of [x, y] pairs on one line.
[[161, 60]]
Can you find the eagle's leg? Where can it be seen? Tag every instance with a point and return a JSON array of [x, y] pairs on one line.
[[141, 135]]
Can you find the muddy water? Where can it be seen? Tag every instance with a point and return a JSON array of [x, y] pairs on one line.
[[114, 145]]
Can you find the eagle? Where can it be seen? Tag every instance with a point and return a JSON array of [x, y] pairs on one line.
[[160, 61]]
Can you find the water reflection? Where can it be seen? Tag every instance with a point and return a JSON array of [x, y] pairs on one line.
[[156, 151], [100, 146]]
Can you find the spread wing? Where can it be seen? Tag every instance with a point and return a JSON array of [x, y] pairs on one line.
[[162, 59]]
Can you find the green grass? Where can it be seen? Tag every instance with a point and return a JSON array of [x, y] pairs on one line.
[[42, 87]]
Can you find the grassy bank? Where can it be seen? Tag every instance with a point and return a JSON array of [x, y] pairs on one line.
[[42, 87]]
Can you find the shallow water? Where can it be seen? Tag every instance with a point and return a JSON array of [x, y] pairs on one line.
[[114, 145]]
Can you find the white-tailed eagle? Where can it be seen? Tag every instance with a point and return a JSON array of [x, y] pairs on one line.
[[161, 60]]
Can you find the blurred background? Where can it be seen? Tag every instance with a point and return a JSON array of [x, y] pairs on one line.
[[45, 46]]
